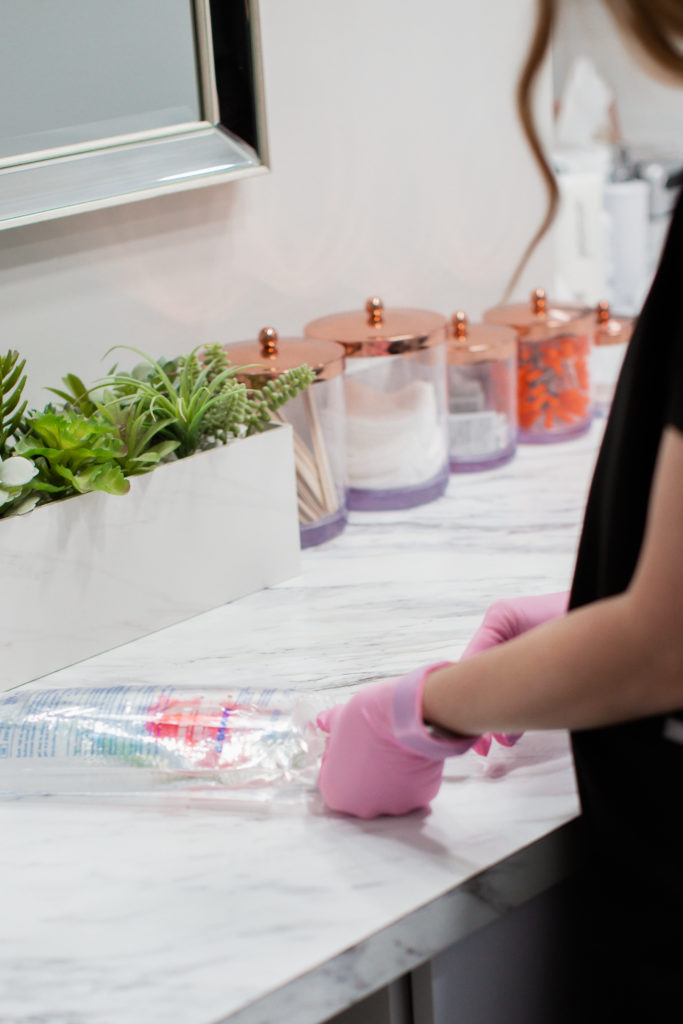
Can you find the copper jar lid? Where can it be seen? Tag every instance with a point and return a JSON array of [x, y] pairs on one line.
[[539, 319], [267, 358], [612, 330], [381, 332], [479, 343]]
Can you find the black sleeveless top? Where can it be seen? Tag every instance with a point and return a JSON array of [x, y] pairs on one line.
[[630, 776]]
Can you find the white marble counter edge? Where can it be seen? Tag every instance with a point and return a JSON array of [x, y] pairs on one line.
[[393, 951]]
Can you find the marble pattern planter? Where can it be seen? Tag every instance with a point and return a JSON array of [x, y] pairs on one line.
[[87, 574]]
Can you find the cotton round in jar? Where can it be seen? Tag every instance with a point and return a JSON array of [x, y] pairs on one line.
[[396, 403]]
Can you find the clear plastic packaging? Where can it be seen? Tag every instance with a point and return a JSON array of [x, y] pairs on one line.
[[124, 739]]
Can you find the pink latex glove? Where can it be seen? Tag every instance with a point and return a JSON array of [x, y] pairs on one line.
[[380, 757], [505, 619]]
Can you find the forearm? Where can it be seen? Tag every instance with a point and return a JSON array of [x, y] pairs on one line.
[[595, 666]]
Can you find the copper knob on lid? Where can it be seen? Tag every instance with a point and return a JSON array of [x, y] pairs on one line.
[[612, 330], [478, 343], [374, 307], [459, 325], [538, 301], [268, 340]]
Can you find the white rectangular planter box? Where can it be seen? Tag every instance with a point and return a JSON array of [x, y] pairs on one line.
[[90, 573]]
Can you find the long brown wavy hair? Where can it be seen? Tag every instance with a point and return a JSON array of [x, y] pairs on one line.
[[656, 26]]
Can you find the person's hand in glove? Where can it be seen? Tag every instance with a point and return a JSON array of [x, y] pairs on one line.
[[504, 620], [509, 617], [381, 758]]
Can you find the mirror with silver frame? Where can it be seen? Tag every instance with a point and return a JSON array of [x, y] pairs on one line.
[[109, 102]]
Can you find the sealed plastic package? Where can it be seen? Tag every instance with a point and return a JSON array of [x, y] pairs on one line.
[[251, 744]]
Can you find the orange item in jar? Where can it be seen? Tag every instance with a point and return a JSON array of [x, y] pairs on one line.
[[553, 381], [554, 353]]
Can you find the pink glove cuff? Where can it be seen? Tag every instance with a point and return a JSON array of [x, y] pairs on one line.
[[409, 728]]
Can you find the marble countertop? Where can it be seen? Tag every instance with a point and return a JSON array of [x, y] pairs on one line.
[[181, 911]]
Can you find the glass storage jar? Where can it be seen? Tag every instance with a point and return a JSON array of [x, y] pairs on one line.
[[612, 335], [317, 418], [482, 394], [396, 403], [553, 366]]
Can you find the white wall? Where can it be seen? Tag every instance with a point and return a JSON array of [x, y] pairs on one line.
[[650, 109], [398, 169]]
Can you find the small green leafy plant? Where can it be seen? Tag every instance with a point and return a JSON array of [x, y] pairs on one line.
[[180, 393], [241, 411], [130, 420], [73, 454], [127, 423]]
